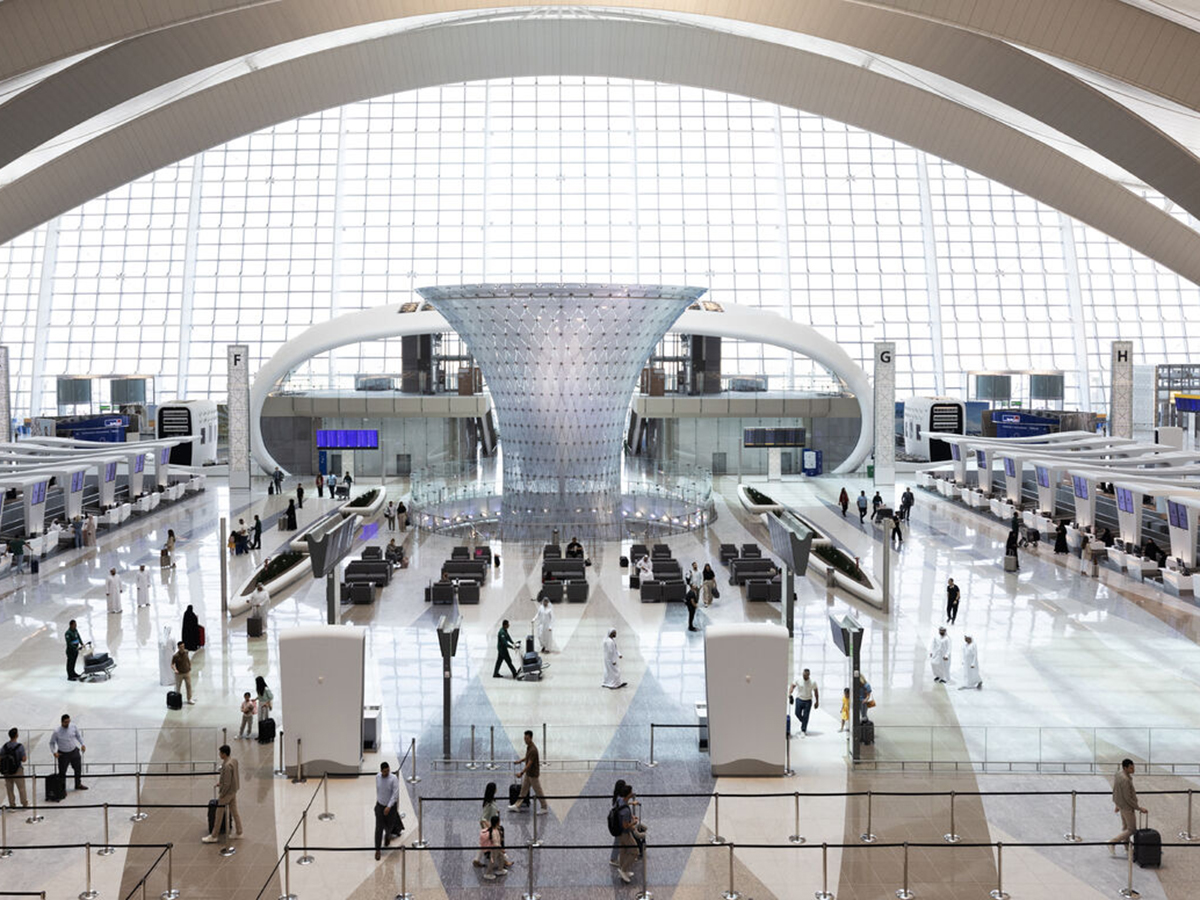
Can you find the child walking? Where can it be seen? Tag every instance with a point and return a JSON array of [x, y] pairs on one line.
[[249, 708], [845, 709]]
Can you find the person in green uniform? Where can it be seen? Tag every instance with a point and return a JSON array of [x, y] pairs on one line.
[[74, 645], [503, 645]]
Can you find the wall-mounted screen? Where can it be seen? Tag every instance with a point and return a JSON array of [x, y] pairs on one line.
[[1010, 467], [1177, 514], [1125, 500], [1081, 490], [110, 472], [77, 479], [37, 492], [139, 463], [981, 459], [164, 455], [773, 437], [1043, 476], [347, 439], [955, 452]]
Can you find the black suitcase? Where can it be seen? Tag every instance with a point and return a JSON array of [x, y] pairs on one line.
[[254, 627], [529, 648], [514, 791], [266, 731], [35, 565], [531, 667], [56, 788], [866, 733], [270, 489], [1147, 847], [213, 806], [624, 562], [174, 700]]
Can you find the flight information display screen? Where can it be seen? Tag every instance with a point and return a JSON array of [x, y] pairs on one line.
[[37, 492], [1080, 486], [347, 439], [773, 437], [1043, 476], [1176, 514], [77, 479], [1010, 467], [110, 472], [1125, 500]]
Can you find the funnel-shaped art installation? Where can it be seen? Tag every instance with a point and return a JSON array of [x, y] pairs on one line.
[[562, 362]]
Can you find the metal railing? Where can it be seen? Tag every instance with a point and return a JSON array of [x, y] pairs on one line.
[[1023, 749], [172, 747], [89, 892]]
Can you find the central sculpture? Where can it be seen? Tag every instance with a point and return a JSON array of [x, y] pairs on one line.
[[562, 362]]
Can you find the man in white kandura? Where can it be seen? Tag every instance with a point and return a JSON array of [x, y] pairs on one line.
[[970, 665], [143, 586], [939, 657], [612, 674], [543, 626], [112, 589]]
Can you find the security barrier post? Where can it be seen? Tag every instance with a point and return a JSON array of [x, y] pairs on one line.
[[904, 893], [536, 841], [170, 893], [644, 893], [138, 816], [796, 837], [491, 766], [287, 875], [472, 765], [823, 893], [420, 842], [280, 770], [108, 849], [5, 853], [326, 816], [299, 776], [1186, 834], [1071, 835], [731, 894], [868, 836], [998, 893], [652, 762], [952, 837], [414, 777], [404, 894], [1128, 890], [306, 859], [88, 893], [716, 838], [788, 771], [34, 817], [530, 893]]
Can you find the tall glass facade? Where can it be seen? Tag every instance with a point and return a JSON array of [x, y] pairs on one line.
[[575, 179]]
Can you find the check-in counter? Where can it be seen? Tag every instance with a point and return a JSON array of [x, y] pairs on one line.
[[126, 511], [1177, 583], [925, 480], [1074, 537], [1142, 568], [196, 483], [176, 491], [1030, 519], [1119, 558], [974, 498], [947, 488], [143, 504], [1045, 525], [997, 507]]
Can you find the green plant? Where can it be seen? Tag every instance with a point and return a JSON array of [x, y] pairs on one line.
[[276, 567], [832, 556], [758, 498], [363, 499]]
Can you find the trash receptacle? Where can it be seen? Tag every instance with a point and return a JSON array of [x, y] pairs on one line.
[[871, 470]]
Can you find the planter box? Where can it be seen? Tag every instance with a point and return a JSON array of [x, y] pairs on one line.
[[759, 508], [368, 511], [239, 601]]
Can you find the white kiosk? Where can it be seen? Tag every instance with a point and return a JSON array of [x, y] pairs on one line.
[[746, 676]]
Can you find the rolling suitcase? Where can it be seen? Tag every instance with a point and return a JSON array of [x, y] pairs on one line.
[[529, 648], [1147, 846], [866, 734], [1010, 564], [624, 561], [213, 806], [56, 788], [35, 565], [266, 731], [514, 791], [531, 667], [174, 700], [254, 627], [203, 636]]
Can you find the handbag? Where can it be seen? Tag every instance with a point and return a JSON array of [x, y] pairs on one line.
[[870, 704], [716, 593]]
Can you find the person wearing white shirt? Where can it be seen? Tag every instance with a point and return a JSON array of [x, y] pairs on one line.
[[543, 625], [387, 798], [970, 665], [143, 586], [66, 743], [612, 672], [645, 569], [113, 588], [258, 601], [939, 657], [806, 697]]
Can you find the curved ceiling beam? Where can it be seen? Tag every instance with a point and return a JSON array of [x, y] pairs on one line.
[[985, 65], [538, 46], [734, 321]]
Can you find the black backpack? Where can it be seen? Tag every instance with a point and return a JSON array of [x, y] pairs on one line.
[[8, 761], [614, 821]]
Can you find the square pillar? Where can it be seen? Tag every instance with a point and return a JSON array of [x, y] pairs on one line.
[[885, 412], [1120, 408], [238, 363]]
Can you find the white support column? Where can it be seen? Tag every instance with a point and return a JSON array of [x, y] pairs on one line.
[[885, 412], [1075, 293], [785, 234], [335, 266], [932, 283], [190, 251], [487, 180], [5, 398], [41, 335], [1120, 407], [238, 362]]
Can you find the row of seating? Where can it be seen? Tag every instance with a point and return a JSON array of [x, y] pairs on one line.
[[465, 570], [729, 552], [563, 570], [572, 591], [667, 584], [445, 592], [554, 551], [483, 554]]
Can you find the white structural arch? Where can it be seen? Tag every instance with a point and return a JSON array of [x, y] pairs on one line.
[[732, 321]]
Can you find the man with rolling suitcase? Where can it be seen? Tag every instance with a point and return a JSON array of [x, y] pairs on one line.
[[530, 775], [228, 783], [1125, 802], [66, 743]]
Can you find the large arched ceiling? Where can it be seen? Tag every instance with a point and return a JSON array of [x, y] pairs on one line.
[[128, 87]]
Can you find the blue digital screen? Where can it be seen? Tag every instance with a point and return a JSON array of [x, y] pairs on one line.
[[37, 492], [110, 472], [1080, 487], [1010, 467], [139, 463], [1125, 500], [347, 439], [956, 452], [1043, 476], [77, 479], [164, 455], [1177, 514], [981, 458]]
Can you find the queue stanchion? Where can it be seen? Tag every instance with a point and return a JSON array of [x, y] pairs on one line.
[[1186, 834], [952, 837], [299, 776], [530, 893], [88, 892], [307, 858], [545, 752], [414, 778], [999, 894], [287, 875], [420, 843], [652, 763], [170, 893], [788, 771], [716, 838], [280, 770], [536, 840], [108, 849], [472, 765], [868, 836], [325, 816], [1072, 835], [644, 893], [491, 766], [903, 893], [404, 894], [823, 893], [138, 816], [34, 817], [5, 853], [731, 894], [796, 837]]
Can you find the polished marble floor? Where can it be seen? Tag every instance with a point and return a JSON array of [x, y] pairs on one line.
[[1077, 672]]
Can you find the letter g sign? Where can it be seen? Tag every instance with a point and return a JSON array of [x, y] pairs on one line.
[[885, 356]]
